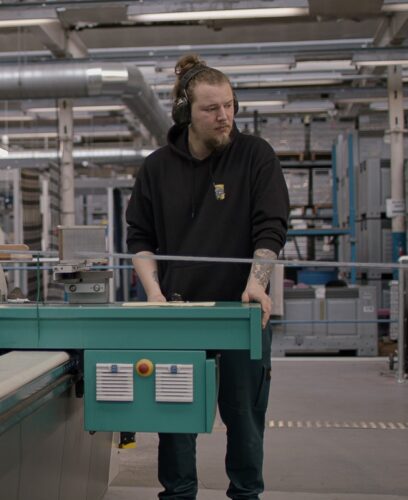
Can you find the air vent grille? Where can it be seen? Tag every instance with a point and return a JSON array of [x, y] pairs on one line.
[[114, 382], [174, 383]]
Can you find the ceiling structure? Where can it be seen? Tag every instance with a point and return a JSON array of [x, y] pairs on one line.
[[324, 59]]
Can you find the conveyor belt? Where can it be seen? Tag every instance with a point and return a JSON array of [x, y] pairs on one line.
[[30, 378], [17, 368]]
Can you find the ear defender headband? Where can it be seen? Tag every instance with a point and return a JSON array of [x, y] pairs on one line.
[[181, 111]]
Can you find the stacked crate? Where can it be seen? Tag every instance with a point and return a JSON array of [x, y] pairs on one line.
[[286, 135], [320, 313], [343, 197], [372, 187], [374, 232], [297, 181], [322, 195], [394, 304], [323, 134], [322, 188]]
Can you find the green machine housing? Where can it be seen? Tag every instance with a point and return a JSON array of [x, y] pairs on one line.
[[145, 368]]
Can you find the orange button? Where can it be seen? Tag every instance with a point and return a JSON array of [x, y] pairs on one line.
[[144, 367]]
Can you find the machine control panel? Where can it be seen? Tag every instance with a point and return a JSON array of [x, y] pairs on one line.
[[149, 391]]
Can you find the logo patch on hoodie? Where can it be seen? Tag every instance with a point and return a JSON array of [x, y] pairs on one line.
[[219, 192]]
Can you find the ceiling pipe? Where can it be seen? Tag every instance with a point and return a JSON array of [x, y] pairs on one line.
[[84, 79], [42, 158]]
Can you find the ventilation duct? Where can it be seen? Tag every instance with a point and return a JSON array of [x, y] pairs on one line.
[[84, 79], [351, 9], [42, 158]]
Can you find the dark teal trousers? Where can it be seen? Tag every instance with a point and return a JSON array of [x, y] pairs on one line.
[[242, 402]]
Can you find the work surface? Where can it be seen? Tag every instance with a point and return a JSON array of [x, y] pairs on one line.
[[337, 430], [112, 326]]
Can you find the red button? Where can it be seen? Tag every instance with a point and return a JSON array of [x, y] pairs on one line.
[[143, 368]]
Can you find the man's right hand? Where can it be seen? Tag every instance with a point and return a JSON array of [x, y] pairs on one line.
[[156, 297], [146, 269]]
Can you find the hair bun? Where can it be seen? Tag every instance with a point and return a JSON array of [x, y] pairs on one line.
[[186, 63]]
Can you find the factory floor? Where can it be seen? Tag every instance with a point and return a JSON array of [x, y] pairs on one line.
[[337, 429]]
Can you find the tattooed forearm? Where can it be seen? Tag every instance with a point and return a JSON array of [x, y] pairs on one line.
[[262, 271]]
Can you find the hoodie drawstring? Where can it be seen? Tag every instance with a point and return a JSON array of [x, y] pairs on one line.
[[193, 201]]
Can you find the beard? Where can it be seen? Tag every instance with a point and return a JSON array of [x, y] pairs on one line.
[[217, 143]]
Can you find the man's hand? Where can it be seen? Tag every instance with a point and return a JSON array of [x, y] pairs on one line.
[[258, 281], [146, 269], [156, 297], [255, 293]]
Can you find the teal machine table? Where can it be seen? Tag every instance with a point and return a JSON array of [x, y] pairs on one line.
[[145, 368]]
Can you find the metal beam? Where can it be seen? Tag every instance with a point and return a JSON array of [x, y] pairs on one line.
[[151, 55], [396, 120], [60, 42], [66, 138], [351, 9], [392, 31]]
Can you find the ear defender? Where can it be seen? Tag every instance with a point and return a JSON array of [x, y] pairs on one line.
[[236, 103], [181, 111]]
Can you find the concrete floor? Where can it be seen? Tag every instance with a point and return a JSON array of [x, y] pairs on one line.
[[337, 430]]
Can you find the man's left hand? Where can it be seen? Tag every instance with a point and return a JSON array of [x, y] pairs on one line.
[[256, 293]]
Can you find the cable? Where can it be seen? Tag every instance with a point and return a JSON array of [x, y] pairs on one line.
[[38, 295]]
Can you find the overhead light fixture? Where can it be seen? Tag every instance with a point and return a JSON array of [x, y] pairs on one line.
[[395, 7], [163, 87], [388, 62], [357, 99], [234, 65], [89, 108], [289, 80], [300, 107], [54, 135], [215, 15], [10, 18], [81, 133], [16, 118], [246, 104], [306, 108], [383, 105], [32, 135], [324, 65], [17, 23], [253, 68], [263, 84], [381, 58]]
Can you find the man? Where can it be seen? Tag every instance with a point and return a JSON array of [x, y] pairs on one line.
[[212, 192]]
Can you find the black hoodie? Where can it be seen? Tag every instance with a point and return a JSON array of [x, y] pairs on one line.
[[174, 210]]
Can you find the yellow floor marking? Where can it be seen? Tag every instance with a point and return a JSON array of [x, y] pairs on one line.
[[326, 424]]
